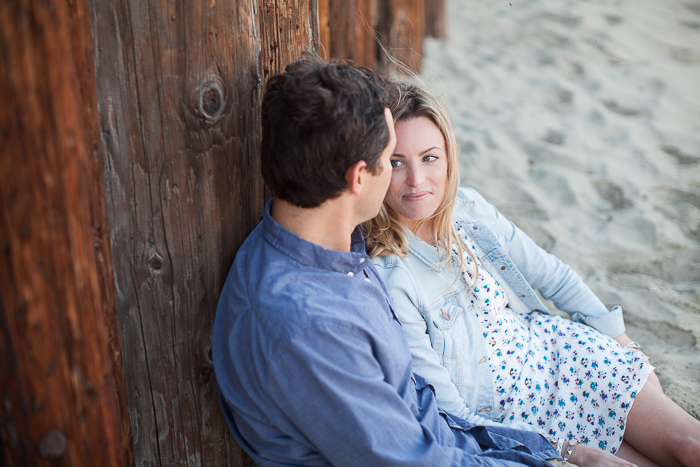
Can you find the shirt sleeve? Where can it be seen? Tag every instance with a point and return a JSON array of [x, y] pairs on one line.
[[557, 282], [331, 388]]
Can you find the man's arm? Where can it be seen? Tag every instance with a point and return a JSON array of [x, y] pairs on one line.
[[331, 388]]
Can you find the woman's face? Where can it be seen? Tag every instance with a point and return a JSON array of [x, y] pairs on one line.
[[419, 170]]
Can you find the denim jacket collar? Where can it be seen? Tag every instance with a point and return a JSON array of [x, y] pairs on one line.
[[427, 252], [311, 254]]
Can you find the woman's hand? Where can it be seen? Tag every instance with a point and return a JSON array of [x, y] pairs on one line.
[[588, 456]]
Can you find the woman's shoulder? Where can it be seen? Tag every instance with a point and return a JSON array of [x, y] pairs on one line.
[[395, 272], [468, 193], [389, 264], [471, 204]]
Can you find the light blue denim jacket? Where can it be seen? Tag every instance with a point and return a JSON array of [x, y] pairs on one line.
[[446, 343]]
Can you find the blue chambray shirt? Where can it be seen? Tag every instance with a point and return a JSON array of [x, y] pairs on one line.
[[313, 368]]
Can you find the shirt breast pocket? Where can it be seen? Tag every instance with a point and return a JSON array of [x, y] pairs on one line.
[[449, 329]]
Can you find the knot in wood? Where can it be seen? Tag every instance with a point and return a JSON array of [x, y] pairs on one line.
[[53, 444], [155, 263], [210, 100]]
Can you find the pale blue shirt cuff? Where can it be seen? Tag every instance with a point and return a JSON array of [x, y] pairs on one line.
[[611, 323]]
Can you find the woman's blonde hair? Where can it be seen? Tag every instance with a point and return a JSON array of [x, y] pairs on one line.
[[385, 234]]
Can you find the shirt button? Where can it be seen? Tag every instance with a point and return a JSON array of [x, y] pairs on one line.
[[503, 268], [351, 274], [445, 315], [522, 295], [367, 280], [362, 260], [485, 409], [476, 228]]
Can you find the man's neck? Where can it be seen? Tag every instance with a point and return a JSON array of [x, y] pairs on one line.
[[329, 225]]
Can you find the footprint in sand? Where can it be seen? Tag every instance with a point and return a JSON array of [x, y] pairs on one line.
[[683, 207], [669, 333], [681, 157], [613, 194], [674, 265], [613, 106]]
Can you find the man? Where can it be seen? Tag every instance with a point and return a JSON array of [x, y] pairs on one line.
[[312, 365]]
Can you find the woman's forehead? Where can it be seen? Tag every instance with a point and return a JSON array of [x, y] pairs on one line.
[[418, 134]]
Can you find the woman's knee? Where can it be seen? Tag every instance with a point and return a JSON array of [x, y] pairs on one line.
[[687, 450], [653, 380]]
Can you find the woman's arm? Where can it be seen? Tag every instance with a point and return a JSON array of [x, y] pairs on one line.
[[555, 280]]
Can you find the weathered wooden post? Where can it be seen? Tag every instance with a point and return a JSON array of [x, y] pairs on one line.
[[365, 31], [436, 18], [60, 366], [179, 86], [401, 29], [348, 28], [174, 151]]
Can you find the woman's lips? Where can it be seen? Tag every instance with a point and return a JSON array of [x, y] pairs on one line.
[[416, 196]]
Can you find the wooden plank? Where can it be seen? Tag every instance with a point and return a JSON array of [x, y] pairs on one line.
[[342, 29], [350, 31], [287, 27], [59, 351], [179, 87], [324, 27], [366, 23], [402, 27], [436, 18]]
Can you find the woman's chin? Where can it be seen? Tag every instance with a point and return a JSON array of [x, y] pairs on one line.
[[413, 218]]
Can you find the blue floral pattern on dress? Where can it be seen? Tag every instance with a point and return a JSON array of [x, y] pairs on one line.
[[564, 377]]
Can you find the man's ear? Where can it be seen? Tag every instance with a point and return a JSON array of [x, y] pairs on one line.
[[355, 177]]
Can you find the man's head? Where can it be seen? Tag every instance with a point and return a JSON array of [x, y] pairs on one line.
[[318, 120]]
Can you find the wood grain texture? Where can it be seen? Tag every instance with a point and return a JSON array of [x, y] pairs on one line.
[[348, 28], [324, 27], [366, 35], [436, 18], [287, 27], [59, 351], [401, 28], [179, 86]]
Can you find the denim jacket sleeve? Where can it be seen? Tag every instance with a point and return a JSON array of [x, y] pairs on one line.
[[555, 280], [426, 362]]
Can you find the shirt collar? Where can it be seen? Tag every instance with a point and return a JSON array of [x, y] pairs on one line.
[[311, 254]]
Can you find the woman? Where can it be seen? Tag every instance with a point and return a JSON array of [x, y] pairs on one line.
[[462, 279]]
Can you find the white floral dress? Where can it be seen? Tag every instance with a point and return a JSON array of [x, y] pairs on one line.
[[564, 377]]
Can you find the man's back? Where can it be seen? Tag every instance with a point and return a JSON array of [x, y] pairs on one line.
[[290, 316], [312, 365]]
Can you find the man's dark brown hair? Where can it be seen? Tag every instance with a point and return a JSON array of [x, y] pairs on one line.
[[318, 119]]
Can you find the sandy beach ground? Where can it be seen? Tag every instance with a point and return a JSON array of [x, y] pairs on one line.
[[580, 121]]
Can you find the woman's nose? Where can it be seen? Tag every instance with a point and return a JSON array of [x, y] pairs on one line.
[[415, 176]]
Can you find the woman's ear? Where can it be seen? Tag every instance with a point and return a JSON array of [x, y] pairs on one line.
[[355, 177]]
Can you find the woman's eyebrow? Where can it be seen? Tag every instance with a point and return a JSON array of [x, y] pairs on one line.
[[396, 154], [430, 149]]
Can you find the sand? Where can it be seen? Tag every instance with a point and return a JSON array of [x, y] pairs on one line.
[[580, 121]]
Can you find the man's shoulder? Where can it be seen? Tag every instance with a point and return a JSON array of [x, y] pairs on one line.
[[267, 289]]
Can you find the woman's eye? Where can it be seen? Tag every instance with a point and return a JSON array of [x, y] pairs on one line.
[[430, 158], [396, 163]]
